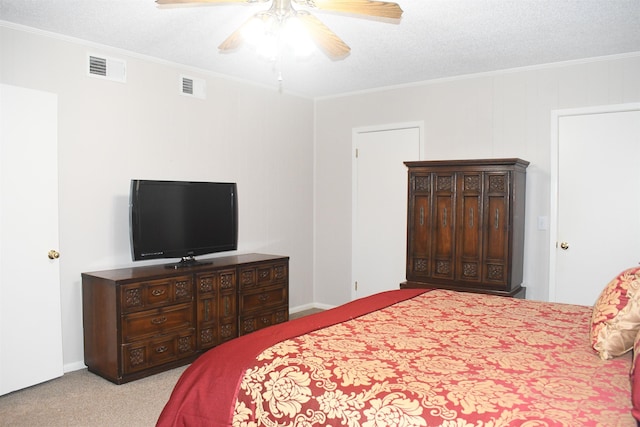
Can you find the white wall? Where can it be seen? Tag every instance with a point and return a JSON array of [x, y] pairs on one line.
[[112, 132], [506, 114]]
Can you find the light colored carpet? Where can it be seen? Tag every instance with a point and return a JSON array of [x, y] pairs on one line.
[[81, 398]]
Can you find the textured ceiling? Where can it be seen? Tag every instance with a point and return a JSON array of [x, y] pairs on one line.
[[435, 38]]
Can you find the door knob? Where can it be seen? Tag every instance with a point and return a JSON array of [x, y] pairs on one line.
[[564, 246], [53, 254]]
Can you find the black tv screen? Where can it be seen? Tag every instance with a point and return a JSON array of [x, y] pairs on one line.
[[180, 219]]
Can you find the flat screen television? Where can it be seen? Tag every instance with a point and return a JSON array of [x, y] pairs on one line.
[[181, 219]]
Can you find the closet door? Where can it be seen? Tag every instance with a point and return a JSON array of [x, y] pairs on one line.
[[597, 234], [30, 314]]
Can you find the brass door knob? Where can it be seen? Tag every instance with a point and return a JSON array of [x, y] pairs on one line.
[[53, 254], [564, 246]]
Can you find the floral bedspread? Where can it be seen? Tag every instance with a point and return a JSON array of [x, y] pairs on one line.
[[441, 358]]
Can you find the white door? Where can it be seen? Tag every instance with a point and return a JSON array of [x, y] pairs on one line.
[[380, 207], [30, 315], [598, 203]]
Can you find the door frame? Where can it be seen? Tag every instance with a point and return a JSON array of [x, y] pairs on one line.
[[556, 115], [354, 174]]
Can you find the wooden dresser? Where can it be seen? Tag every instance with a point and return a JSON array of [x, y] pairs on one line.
[[140, 321], [465, 225]]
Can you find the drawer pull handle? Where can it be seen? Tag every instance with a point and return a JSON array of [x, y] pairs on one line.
[[264, 298], [206, 309], [162, 349], [158, 320], [497, 219], [421, 216], [227, 306], [157, 292]]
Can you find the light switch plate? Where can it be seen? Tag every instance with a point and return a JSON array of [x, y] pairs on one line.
[[543, 223]]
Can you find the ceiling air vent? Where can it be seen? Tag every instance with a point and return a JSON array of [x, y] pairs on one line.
[[107, 68], [190, 86]]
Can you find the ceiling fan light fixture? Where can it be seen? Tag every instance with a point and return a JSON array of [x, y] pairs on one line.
[[297, 37], [261, 34], [269, 33], [281, 26]]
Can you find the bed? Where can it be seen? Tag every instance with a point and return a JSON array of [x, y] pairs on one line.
[[412, 358]]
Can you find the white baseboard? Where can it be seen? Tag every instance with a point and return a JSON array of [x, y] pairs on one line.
[[310, 306], [73, 366]]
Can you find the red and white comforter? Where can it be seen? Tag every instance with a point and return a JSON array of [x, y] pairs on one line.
[[438, 358]]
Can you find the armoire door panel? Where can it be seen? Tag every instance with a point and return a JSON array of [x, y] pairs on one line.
[[497, 228], [420, 241], [470, 226], [419, 224], [444, 223], [496, 242], [470, 238]]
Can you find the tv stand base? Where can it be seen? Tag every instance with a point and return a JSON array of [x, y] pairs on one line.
[[187, 261]]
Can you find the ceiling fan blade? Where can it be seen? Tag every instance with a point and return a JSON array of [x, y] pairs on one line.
[[382, 9], [205, 1], [235, 39], [324, 38]]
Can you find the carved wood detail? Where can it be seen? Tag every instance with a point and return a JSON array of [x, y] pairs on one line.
[[497, 183], [472, 182], [133, 298], [421, 183], [444, 183]]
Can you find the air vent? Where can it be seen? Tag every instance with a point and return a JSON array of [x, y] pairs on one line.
[[97, 66], [190, 86], [187, 86], [107, 68]]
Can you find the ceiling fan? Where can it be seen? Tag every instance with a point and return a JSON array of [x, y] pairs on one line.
[[268, 28]]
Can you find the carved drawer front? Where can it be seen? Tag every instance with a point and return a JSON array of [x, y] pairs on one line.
[[219, 281], [214, 334], [155, 293], [263, 319], [262, 275], [263, 298], [146, 324], [146, 354]]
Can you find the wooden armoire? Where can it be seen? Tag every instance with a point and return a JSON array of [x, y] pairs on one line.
[[465, 225]]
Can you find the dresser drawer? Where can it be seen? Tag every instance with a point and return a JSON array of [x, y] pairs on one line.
[[263, 298], [146, 324], [252, 323], [154, 352], [263, 275], [218, 281], [155, 293]]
